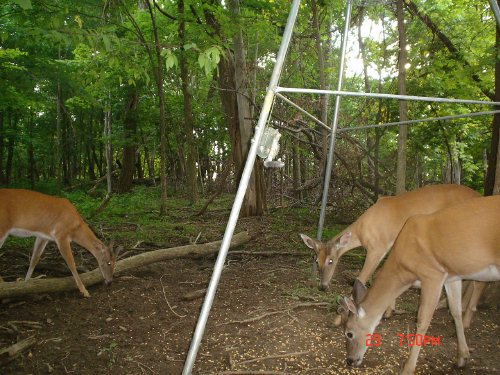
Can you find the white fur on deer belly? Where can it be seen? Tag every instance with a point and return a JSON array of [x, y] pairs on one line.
[[490, 273], [20, 232]]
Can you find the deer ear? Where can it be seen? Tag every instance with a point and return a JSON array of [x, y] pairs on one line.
[[350, 305], [310, 243], [358, 292], [343, 240]]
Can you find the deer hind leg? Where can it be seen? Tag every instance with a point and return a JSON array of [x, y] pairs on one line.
[[429, 298], [65, 249], [454, 295], [467, 289], [477, 290], [38, 249]]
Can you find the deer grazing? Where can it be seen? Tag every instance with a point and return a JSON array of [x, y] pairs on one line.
[[377, 228], [25, 213], [461, 242]]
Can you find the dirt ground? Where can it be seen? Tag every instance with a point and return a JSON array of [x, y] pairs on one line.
[[266, 318]]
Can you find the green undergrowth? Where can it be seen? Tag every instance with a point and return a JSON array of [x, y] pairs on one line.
[[305, 294], [135, 216]]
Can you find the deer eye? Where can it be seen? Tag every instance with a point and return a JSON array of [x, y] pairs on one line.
[[349, 335], [109, 263], [330, 262]]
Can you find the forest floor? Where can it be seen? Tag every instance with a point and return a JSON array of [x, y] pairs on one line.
[[267, 318]]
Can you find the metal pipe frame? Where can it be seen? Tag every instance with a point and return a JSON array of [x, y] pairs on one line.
[[385, 96], [296, 106], [407, 122], [412, 122], [240, 194], [329, 163]]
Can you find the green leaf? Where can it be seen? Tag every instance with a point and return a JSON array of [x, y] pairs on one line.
[[25, 4], [107, 43], [79, 21], [170, 58], [209, 59], [189, 46]]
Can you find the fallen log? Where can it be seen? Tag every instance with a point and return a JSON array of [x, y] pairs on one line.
[[37, 286]]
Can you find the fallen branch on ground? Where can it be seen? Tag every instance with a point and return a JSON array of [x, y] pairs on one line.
[[37, 286], [267, 253], [272, 357], [244, 372], [194, 295], [286, 311], [11, 351]]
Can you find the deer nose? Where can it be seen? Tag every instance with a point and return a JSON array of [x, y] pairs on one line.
[[349, 361], [108, 282]]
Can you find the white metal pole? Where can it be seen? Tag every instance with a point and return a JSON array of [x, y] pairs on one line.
[[328, 171], [496, 11], [240, 194]]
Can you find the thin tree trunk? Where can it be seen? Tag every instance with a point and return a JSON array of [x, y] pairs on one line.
[[491, 174], [403, 112], [158, 73], [130, 144], [191, 172], [496, 186], [296, 169], [109, 150], [2, 174], [10, 148], [31, 153], [322, 84], [58, 153]]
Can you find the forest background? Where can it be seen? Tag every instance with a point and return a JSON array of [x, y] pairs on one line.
[[167, 93]]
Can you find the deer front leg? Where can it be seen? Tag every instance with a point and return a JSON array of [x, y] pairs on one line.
[[38, 249], [390, 309], [372, 260], [477, 290], [65, 249], [454, 295], [429, 298]]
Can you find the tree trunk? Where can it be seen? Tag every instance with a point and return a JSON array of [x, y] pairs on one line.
[[130, 143], [403, 112], [58, 153], [109, 150], [2, 174], [158, 73], [10, 148], [491, 174], [31, 153], [88, 145], [254, 202], [296, 169], [322, 85], [191, 172]]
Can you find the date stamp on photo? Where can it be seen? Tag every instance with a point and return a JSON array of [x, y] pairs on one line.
[[409, 339]]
